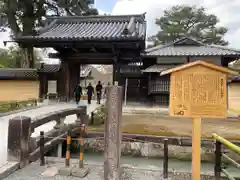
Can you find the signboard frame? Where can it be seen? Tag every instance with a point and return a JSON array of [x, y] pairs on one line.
[[192, 90]]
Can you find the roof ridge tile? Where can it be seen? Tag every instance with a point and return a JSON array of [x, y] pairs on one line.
[[75, 28]]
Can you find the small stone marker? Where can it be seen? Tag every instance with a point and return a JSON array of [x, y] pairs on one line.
[[65, 171], [80, 172], [198, 90]]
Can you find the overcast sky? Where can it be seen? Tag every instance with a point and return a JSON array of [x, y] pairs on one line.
[[227, 11]]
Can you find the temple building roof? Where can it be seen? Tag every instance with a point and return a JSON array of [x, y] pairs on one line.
[[18, 73], [187, 46], [84, 28]]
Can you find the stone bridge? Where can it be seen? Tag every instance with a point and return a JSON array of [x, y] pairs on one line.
[[47, 117]]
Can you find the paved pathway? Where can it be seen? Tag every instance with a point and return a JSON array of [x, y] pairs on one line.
[[135, 168], [33, 113]]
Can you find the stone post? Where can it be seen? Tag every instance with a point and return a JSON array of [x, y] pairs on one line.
[[60, 123], [19, 132], [112, 136], [82, 117]]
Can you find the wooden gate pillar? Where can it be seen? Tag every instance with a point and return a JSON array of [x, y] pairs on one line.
[[59, 83], [116, 69], [43, 86], [74, 77], [114, 73], [64, 74]]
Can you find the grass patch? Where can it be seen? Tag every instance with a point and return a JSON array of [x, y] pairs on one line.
[[159, 126], [7, 106]]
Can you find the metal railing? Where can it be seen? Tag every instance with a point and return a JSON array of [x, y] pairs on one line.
[[220, 155]]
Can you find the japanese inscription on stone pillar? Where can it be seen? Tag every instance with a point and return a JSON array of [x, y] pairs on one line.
[[113, 134]]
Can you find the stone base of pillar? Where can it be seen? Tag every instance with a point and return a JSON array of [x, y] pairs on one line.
[[65, 171], [79, 172]]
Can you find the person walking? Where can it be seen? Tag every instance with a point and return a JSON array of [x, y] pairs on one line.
[[90, 91], [78, 93], [99, 91]]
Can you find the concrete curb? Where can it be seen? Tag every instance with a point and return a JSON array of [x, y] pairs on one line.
[[8, 168]]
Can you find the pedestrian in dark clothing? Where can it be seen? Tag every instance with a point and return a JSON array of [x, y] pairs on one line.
[[78, 93], [90, 91], [99, 91]]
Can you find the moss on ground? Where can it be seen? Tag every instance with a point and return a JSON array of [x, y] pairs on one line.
[[136, 129], [158, 125], [6, 106], [161, 128]]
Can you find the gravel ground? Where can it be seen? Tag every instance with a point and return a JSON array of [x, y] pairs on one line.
[[35, 172]]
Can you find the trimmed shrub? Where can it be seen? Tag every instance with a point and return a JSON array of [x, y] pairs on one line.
[[100, 115]]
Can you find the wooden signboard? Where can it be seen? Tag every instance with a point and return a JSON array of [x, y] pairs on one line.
[[198, 90]]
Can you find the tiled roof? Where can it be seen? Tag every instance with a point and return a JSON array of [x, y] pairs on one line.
[[51, 68], [190, 47], [156, 68], [236, 79], [93, 28], [130, 69], [85, 71], [18, 73]]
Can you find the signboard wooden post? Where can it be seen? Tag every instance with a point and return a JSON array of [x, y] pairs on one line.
[[198, 90]]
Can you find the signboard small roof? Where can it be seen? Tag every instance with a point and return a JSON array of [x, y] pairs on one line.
[[199, 62]]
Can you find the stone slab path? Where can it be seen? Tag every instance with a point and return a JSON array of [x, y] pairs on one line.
[[34, 113]]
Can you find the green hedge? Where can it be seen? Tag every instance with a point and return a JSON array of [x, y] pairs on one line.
[[15, 105]]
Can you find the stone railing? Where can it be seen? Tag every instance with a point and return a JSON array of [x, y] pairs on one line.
[[25, 149]]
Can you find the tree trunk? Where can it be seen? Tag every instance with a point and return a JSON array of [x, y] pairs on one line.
[[27, 60]]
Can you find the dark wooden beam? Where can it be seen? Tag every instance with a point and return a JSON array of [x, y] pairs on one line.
[[95, 56], [65, 78], [43, 86], [79, 56], [123, 44], [94, 61], [74, 76]]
